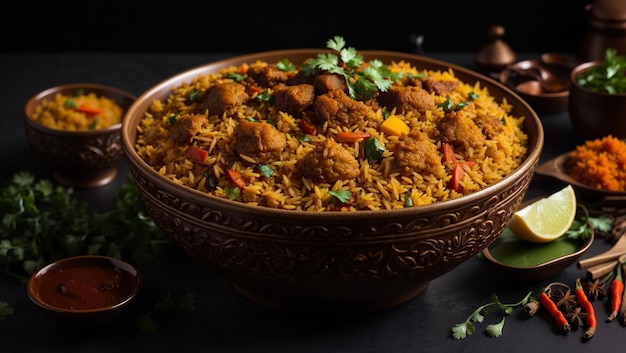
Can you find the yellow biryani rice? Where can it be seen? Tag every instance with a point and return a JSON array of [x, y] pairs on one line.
[[78, 112], [379, 185]]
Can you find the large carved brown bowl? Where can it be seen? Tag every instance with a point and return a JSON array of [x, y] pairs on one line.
[[330, 262], [82, 159]]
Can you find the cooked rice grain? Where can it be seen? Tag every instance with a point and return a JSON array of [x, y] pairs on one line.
[[379, 185]]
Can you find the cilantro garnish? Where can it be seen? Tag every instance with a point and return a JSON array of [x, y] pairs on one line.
[[373, 149], [168, 305], [42, 222], [5, 310], [608, 77], [363, 80], [466, 328], [286, 65], [584, 224], [342, 196]]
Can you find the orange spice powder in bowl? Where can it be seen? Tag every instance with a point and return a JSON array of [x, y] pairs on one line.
[[600, 163]]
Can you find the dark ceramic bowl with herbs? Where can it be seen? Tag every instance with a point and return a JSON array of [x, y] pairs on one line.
[[597, 101], [78, 158]]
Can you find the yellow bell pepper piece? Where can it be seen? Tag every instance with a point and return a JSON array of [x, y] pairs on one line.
[[393, 125]]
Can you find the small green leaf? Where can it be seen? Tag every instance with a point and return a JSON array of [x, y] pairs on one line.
[[512, 251], [342, 195], [5, 310], [495, 330]]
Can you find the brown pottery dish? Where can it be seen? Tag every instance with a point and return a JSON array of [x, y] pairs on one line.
[[557, 168], [596, 114], [544, 86], [85, 290], [330, 262], [82, 159], [521, 260]]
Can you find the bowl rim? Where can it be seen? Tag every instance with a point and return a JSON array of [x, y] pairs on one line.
[[98, 259], [98, 88], [139, 106]]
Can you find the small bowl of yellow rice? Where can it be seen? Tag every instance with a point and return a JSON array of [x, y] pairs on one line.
[[76, 129]]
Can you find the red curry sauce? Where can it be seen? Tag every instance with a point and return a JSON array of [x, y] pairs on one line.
[[84, 288]]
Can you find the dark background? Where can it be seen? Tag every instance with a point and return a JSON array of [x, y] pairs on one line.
[[235, 26]]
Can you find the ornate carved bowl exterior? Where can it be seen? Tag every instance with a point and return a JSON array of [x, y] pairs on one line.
[[82, 159], [330, 262]]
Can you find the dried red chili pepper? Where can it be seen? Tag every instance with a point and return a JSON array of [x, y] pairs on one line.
[[617, 290], [548, 304], [587, 307]]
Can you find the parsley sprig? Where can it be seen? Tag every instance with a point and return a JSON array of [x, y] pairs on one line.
[[149, 322], [466, 328], [584, 224], [43, 222], [364, 78]]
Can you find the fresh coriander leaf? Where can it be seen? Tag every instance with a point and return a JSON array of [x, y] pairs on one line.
[[342, 195], [363, 80], [146, 323], [237, 77], [373, 149], [286, 65], [265, 96], [5, 310], [465, 328], [193, 94], [42, 222], [266, 170], [447, 105], [495, 330]]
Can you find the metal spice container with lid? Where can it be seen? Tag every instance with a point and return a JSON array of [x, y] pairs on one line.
[[607, 22], [494, 55]]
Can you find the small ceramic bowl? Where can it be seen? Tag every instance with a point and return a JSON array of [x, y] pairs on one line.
[[522, 78], [557, 168], [595, 114], [80, 158], [86, 289]]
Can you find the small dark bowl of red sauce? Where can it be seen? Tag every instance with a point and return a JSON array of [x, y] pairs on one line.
[[88, 289]]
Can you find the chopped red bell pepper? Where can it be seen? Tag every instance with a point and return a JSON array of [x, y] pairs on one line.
[[448, 154], [197, 153], [352, 136], [307, 127], [236, 178], [458, 175], [89, 110]]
